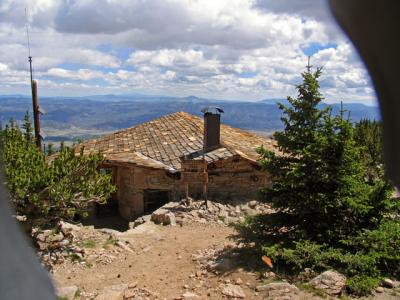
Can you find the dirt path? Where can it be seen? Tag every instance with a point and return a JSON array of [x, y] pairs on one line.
[[168, 262], [162, 262]]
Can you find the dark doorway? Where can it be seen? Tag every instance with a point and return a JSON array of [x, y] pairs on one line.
[[106, 216], [110, 208], [154, 199]]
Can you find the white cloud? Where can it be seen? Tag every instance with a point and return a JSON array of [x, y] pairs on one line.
[[81, 74], [167, 57], [40, 13], [3, 67], [92, 57], [238, 49]]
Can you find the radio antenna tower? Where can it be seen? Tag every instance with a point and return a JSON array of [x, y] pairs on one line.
[[34, 90]]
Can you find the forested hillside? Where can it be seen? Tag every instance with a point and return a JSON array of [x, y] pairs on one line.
[[86, 117]]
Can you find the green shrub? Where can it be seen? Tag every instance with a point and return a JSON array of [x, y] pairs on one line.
[[58, 188], [364, 258], [362, 285]]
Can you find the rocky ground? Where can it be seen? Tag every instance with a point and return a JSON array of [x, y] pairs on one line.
[[181, 251]]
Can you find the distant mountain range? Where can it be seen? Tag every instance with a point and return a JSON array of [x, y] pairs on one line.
[[70, 118]]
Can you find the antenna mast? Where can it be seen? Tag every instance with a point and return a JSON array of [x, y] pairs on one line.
[[35, 103], [308, 64]]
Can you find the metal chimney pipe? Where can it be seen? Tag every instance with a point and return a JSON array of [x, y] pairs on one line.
[[212, 127]]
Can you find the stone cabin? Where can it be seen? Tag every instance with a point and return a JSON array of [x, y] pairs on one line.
[[163, 160]]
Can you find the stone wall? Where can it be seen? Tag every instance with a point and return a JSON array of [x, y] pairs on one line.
[[231, 179], [126, 192], [132, 181]]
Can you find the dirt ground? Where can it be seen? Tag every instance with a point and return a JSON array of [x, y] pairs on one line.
[[162, 260]]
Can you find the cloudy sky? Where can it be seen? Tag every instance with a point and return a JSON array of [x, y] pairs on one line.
[[221, 49]]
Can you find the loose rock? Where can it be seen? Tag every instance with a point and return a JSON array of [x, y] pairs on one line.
[[189, 295], [67, 292], [253, 204], [388, 283], [331, 282], [163, 216], [278, 290], [232, 290], [66, 228], [114, 292], [187, 211], [222, 265]]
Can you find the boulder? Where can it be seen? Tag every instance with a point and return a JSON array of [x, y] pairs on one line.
[[66, 227], [163, 216], [158, 215], [331, 282], [169, 219], [41, 237], [137, 222], [221, 265], [388, 283], [64, 243], [232, 290], [253, 204], [67, 292]]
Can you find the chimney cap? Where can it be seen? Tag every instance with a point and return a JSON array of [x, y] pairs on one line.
[[209, 109]]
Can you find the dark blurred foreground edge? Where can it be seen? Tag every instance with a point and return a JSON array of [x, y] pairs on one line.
[[374, 28], [21, 275]]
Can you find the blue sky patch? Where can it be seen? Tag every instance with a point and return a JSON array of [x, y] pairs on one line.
[[122, 53], [314, 47], [247, 74]]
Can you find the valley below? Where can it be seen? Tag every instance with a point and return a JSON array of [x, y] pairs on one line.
[[81, 118]]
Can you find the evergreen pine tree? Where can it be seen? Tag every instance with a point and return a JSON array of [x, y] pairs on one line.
[[319, 177], [47, 190], [368, 134], [27, 126], [302, 117], [329, 214]]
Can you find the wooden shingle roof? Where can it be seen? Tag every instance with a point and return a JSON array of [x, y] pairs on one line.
[[170, 137]]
